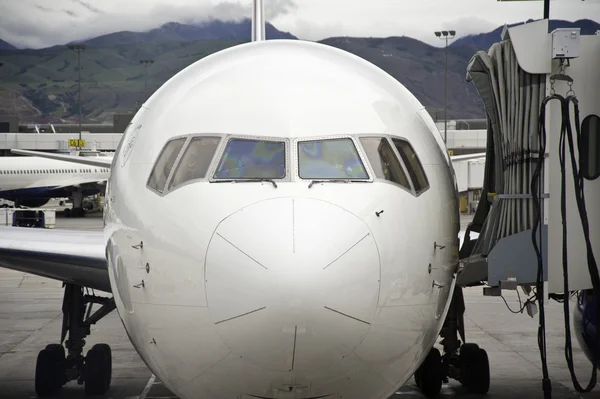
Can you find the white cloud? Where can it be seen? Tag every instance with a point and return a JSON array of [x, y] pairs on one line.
[[40, 23]]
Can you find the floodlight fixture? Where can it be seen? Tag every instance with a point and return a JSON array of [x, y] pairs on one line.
[[445, 35]]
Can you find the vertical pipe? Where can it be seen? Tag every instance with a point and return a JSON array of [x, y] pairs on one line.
[[446, 96], [546, 9], [79, 69], [258, 21]]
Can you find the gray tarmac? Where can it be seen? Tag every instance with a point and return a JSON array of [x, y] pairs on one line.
[[30, 318]]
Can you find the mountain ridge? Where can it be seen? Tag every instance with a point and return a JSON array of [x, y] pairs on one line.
[[4, 45], [175, 31], [41, 85]]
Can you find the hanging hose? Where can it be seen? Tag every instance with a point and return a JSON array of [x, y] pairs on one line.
[[567, 134], [536, 183]]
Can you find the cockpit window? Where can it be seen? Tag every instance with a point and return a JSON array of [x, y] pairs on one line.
[[413, 165], [330, 159], [252, 159], [164, 164], [384, 161], [195, 161]]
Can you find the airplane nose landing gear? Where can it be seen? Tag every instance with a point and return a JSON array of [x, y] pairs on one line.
[[467, 363], [54, 369]]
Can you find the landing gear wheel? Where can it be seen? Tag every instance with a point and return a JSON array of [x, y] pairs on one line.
[[98, 370], [429, 376], [474, 369], [59, 352], [108, 354], [49, 371]]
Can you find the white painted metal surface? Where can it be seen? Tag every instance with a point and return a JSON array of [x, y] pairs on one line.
[[585, 73], [532, 45], [250, 289]]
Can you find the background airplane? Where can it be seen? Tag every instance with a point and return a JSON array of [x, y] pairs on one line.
[[32, 182], [295, 235]]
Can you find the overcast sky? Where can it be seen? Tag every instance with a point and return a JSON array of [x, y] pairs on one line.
[[42, 23]]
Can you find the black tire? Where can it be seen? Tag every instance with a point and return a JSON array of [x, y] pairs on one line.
[[59, 352], [108, 354], [97, 371], [467, 350], [418, 379], [475, 372], [49, 373], [58, 348], [430, 374]]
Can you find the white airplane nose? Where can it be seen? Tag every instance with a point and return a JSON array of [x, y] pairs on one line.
[[292, 283]]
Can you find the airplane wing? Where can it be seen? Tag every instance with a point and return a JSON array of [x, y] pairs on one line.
[[74, 182], [102, 162], [467, 157], [72, 256], [79, 183]]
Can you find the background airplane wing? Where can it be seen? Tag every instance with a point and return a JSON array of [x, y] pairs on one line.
[[75, 182], [72, 256], [466, 157], [103, 162], [82, 183]]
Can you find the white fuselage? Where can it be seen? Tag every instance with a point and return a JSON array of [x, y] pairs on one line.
[[289, 291], [18, 173]]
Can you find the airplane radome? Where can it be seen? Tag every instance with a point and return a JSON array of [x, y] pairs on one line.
[[281, 222]]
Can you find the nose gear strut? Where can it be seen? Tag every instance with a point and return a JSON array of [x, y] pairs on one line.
[[467, 363], [54, 369]]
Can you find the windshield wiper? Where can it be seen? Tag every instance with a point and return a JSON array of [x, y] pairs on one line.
[[246, 181]]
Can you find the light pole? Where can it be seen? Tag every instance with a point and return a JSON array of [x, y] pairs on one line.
[[146, 63], [446, 35], [78, 48]]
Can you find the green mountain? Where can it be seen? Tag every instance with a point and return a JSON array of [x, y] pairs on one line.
[[41, 85]]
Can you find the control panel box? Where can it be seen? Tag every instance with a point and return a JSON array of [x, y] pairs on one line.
[[565, 43]]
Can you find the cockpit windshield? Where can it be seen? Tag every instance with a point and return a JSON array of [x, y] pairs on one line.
[[252, 159], [330, 159]]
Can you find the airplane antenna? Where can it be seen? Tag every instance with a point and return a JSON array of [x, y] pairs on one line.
[[258, 21]]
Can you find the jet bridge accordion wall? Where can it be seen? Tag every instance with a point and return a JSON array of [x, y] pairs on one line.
[[512, 100]]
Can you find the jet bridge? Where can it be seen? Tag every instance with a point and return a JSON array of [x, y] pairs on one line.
[[516, 78]]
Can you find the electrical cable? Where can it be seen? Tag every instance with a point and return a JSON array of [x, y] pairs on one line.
[[536, 183], [522, 305], [578, 181]]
